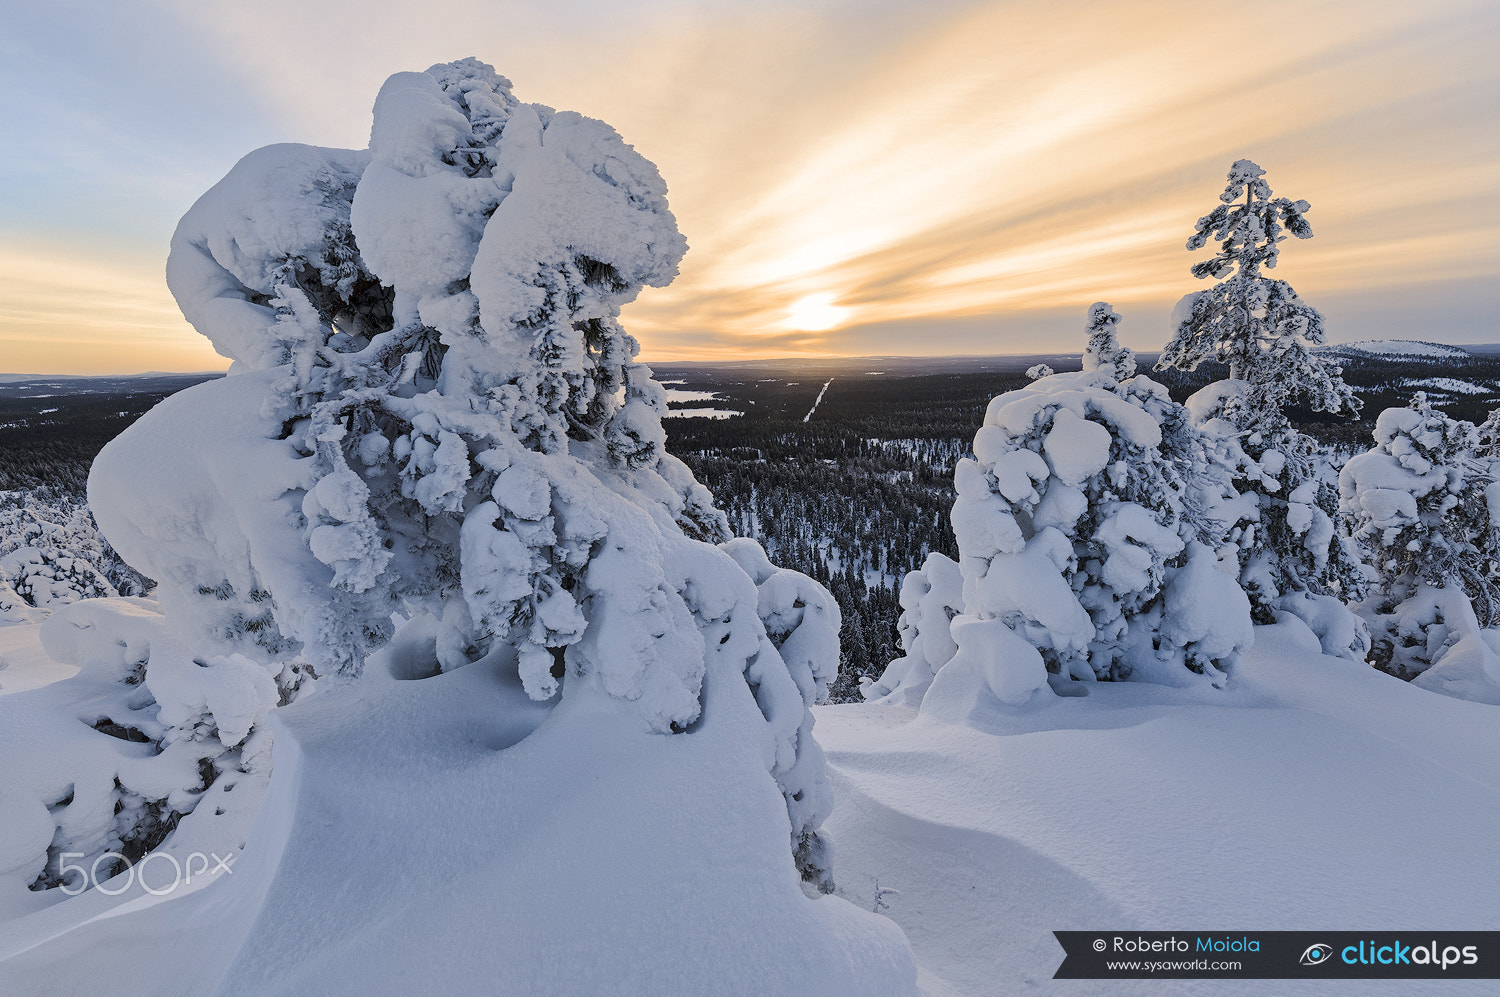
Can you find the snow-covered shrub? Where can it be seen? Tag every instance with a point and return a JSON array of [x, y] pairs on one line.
[[1040, 370], [434, 412], [930, 598], [1265, 333], [45, 580], [125, 748], [51, 554], [801, 621], [1104, 351], [1283, 518], [1424, 505], [1081, 526]]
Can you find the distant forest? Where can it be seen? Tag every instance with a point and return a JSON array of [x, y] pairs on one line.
[[51, 430], [856, 495], [859, 494]]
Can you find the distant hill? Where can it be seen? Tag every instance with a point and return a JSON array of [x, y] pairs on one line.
[[1411, 350]]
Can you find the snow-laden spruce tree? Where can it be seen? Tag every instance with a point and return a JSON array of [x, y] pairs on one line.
[[1104, 351], [930, 598], [1425, 505], [1084, 527], [433, 415], [1265, 333], [51, 554]]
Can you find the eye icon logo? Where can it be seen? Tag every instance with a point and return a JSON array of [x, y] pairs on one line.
[[1316, 955]]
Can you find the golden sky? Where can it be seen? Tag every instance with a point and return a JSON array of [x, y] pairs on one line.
[[853, 178]]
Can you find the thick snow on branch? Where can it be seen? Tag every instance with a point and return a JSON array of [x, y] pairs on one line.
[[435, 422]]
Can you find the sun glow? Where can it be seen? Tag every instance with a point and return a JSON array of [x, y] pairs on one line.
[[958, 176], [816, 313]]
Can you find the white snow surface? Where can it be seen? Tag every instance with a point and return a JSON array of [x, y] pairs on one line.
[[415, 830], [818, 400], [1290, 800]]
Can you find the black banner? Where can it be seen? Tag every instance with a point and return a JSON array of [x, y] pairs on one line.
[[1279, 955]]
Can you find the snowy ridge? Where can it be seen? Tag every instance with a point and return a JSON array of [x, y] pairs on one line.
[[1397, 349], [1448, 386]]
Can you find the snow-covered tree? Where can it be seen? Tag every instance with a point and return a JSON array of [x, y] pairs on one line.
[[1082, 526], [1288, 541], [1425, 507], [1256, 325], [930, 598], [1038, 371], [802, 622], [433, 414], [1104, 351], [51, 554]]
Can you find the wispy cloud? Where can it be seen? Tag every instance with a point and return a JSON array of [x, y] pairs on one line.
[[922, 172]]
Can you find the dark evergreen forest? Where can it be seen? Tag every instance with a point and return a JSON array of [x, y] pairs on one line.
[[856, 495]]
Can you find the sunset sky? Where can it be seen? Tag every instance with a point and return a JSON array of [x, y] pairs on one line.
[[853, 177]]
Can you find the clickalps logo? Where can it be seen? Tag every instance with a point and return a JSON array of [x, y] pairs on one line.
[[1316, 954], [1396, 954]]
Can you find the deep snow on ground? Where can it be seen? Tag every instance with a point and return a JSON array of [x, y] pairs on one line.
[[23, 663], [448, 835], [1313, 793]]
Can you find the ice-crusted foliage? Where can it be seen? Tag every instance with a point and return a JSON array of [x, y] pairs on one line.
[[443, 311], [930, 598], [1283, 512], [801, 621], [1423, 503], [133, 743], [434, 412], [1104, 351], [51, 554], [1082, 526], [1487, 436], [1258, 326]]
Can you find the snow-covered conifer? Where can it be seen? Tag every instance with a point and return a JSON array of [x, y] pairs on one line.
[[1288, 542], [802, 621], [1081, 527], [1425, 507], [930, 598], [1038, 371], [433, 413], [1256, 325], [51, 554], [1104, 351]]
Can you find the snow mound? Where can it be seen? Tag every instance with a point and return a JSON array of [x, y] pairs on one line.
[[503, 846]]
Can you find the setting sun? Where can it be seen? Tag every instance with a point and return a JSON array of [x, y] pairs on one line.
[[816, 313]]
